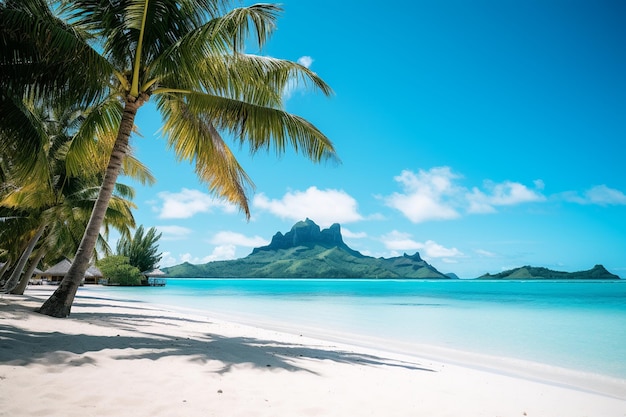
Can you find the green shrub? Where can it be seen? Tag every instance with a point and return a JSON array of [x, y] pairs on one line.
[[117, 270]]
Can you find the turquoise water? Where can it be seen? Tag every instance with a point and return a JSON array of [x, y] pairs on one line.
[[578, 325]]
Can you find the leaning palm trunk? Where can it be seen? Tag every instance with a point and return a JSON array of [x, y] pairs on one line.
[[14, 279], [5, 268], [60, 302], [21, 287]]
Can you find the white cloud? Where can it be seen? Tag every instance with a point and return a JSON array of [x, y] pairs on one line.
[[324, 207], [167, 260], [435, 250], [173, 232], [305, 61], [507, 193], [219, 253], [187, 203], [600, 195], [428, 195], [237, 239], [347, 233], [485, 253], [399, 241], [294, 85], [435, 195]]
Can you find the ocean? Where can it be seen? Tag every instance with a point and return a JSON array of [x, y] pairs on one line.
[[576, 325]]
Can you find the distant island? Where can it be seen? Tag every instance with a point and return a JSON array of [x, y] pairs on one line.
[[306, 251], [532, 272]]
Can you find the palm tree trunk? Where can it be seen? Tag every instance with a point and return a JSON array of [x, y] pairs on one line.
[[60, 302], [5, 267], [14, 279], [21, 287]]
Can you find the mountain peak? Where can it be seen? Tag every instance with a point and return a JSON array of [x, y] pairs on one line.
[[306, 233]]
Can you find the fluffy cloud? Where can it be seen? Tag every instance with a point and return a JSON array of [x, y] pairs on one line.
[[399, 241], [188, 203], [504, 194], [428, 195], [347, 233], [600, 195], [293, 84], [167, 260], [219, 253], [305, 61], [324, 207], [237, 239], [435, 195]]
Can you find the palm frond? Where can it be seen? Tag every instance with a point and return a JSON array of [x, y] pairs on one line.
[[263, 128], [20, 135], [214, 38], [255, 79], [194, 138], [42, 55], [135, 169], [94, 139]]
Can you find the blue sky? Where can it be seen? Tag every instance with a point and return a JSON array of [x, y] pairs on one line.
[[485, 135]]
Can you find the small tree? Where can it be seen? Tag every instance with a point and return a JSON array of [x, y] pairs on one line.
[[141, 250], [119, 271]]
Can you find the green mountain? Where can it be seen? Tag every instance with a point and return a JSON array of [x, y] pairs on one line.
[[531, 272], [308, 252]]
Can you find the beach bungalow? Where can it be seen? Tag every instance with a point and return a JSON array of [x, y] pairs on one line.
[[93, 275], [155, 277], [56, 273]]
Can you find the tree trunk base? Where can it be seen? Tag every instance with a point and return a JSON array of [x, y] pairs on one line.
[[60, 302]]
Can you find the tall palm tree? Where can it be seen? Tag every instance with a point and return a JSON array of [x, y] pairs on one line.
[[47, 203], [50, 204], [188, 56]]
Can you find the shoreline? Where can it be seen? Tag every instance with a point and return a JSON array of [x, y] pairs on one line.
[[145, 354]]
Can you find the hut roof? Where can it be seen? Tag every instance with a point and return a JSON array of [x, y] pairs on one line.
[[59, 269], [154, 273], [92, 271]]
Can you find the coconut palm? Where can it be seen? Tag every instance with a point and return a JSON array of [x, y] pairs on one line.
[[51, 207], [188, 56]]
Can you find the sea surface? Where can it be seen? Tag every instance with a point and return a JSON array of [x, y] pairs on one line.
[[578, 325]]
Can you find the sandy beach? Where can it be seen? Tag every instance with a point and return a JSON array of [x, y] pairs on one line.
[[114, 358]]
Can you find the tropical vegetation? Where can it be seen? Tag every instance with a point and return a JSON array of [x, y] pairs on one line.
[[45, 210], [142, 249], [117, 270], [186, 55]]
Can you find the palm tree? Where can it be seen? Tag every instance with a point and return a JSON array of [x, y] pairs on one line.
[[141, 249], [187, 55], [52, 206]]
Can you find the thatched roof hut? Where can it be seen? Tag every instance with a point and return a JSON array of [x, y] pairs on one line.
[[155, 277], [57, 272]]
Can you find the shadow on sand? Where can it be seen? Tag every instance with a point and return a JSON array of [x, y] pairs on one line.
[[21, 347]]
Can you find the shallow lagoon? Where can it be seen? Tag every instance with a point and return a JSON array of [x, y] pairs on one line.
[[579, 325]]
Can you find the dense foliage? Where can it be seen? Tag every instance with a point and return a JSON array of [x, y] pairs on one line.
[[186, 56], [142, 250], [118, 271]]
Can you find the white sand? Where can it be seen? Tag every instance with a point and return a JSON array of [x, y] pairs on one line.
[[121, 359]]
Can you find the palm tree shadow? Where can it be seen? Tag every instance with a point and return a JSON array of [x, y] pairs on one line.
[[130, 338]]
